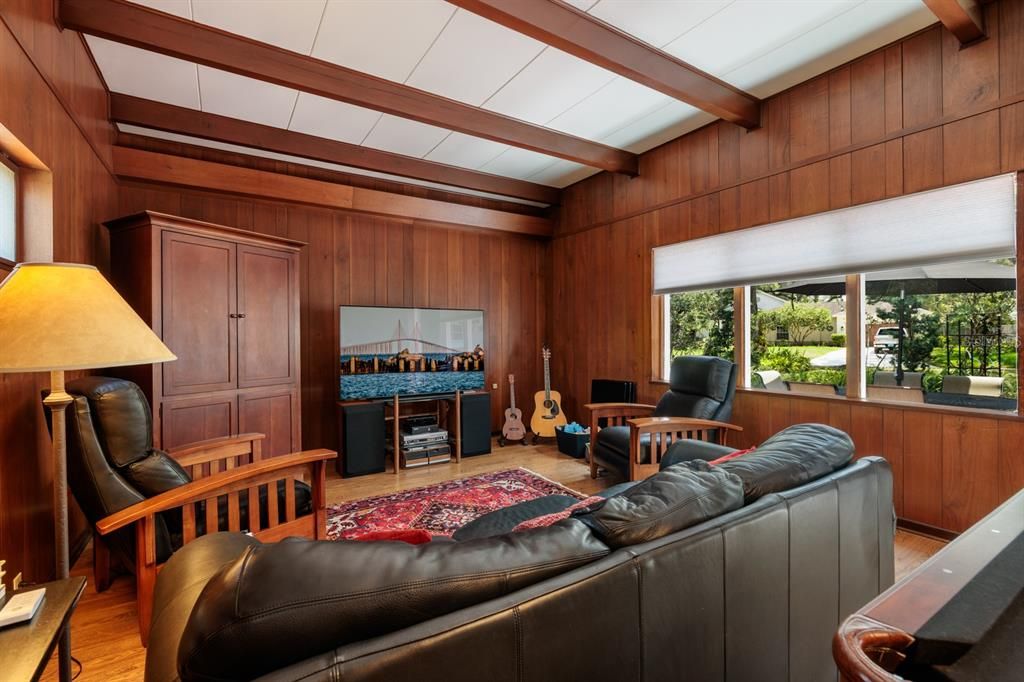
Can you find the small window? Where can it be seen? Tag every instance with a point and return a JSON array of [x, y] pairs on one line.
[[8, 211], [782, 333]]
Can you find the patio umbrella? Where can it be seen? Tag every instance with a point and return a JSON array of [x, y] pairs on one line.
[[978, 277]]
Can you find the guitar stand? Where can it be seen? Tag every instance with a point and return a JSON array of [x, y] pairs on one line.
[[502, 441]]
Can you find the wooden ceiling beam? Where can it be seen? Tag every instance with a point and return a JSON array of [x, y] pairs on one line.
[[146, 28], [173, 119], [578, 33], [180, 171], [963, 18]]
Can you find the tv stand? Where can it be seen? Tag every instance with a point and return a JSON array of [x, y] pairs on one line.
[[441, 409]]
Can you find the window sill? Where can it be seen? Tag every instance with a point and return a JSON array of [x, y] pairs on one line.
[[893, 404]]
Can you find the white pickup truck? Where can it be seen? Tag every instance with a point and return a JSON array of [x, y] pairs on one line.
[[887, 340]]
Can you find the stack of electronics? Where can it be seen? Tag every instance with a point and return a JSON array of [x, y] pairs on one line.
[[424, 442]]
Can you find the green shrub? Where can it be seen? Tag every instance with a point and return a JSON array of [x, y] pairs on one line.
[[839, 339], [835, 377], [784, 360]]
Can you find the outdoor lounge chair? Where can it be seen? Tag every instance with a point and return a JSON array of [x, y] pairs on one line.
[[910, 379], [812, 389], [898, 394], [971, 385], [769, 380]]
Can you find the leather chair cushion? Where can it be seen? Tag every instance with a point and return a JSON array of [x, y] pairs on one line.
[[156, 473], [121, 412], [701, 375], [259, 613], [677, 404], [504, 520], [616, 439], [790, 458], [664, 503]]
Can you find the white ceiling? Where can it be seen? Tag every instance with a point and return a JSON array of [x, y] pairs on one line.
[[762, 46]]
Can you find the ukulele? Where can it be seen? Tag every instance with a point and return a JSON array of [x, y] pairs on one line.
[[513, 429], [547, 410]]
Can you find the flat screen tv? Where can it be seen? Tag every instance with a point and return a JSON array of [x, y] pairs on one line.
[[409, 351]]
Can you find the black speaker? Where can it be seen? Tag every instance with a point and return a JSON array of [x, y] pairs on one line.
[[612, 391], [476, 424], [362, 440]]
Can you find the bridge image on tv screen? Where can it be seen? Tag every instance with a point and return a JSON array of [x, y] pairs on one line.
[[409, 351]]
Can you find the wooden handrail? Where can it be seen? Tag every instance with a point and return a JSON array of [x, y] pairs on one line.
[[660, 424], [866, 650], [200, 446], [173, 499]]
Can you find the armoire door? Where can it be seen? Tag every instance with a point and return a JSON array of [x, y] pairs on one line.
[[190, 420], [267, 317], [199, 307], [274, 414]]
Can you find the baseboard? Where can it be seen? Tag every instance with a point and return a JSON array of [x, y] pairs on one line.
[[78, 544], [925, 529]]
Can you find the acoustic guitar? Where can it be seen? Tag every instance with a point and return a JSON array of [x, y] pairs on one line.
[[547, 410], [513, 429]]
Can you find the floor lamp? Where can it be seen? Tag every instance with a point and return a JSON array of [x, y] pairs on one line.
[[56, 317]]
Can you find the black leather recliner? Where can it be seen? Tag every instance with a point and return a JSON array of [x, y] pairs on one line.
[[701, 389], [113, 467]]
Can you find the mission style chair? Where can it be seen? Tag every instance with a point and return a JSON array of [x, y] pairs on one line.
[[636, 436], [144, 503]]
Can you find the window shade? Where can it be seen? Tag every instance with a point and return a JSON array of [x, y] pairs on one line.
[[967, 222]]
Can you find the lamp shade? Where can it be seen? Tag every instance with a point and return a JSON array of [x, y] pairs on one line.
[[66, 316]]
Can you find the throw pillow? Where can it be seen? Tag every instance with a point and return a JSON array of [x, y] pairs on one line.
[[413, 536], [549, 519], [670, 500], [731, 455]]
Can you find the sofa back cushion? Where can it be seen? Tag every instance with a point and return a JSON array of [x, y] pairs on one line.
[[670, 500], [280, 603], [790, 458]]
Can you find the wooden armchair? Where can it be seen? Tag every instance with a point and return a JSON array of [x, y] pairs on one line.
[[144, 503], [633, 437], [229, 468], [661, 432]]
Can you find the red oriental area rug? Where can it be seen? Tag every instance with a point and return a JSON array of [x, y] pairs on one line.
[[440, 509]]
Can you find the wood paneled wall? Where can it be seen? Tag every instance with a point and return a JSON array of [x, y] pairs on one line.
[[365, 260], [917, 114], [54, 102]]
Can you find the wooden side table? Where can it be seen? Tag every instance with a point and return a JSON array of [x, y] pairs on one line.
[[25, 649]]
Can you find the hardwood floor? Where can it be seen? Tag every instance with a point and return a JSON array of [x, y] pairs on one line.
[[104, 633]]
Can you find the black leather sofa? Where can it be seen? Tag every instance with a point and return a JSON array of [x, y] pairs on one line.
[[737, 572]]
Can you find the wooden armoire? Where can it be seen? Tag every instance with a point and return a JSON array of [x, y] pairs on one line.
[[226, 302]]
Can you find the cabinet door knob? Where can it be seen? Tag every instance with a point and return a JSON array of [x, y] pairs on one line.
[[240, 315]]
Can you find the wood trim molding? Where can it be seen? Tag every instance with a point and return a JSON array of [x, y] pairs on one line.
[[173, 119], [149, 29], [573, 31], [741, 335], [137, 164], [1020, 278], [962, 18]]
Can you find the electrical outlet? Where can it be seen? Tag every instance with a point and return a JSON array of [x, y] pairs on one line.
[[494, 387]]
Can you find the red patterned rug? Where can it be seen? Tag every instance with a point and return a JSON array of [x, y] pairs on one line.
[[440, 509]]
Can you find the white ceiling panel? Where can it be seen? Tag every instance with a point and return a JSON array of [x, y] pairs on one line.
[[466, 151], [385, 39], [607, 110], [331, 119], [656, 22], [517, 163], [657, 127], [548, 86], [472, 59], [865, 28], [562, 173], [747, 29], [250, 100], [181, 8], [402, 136], [291, 24], [139, 73]]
